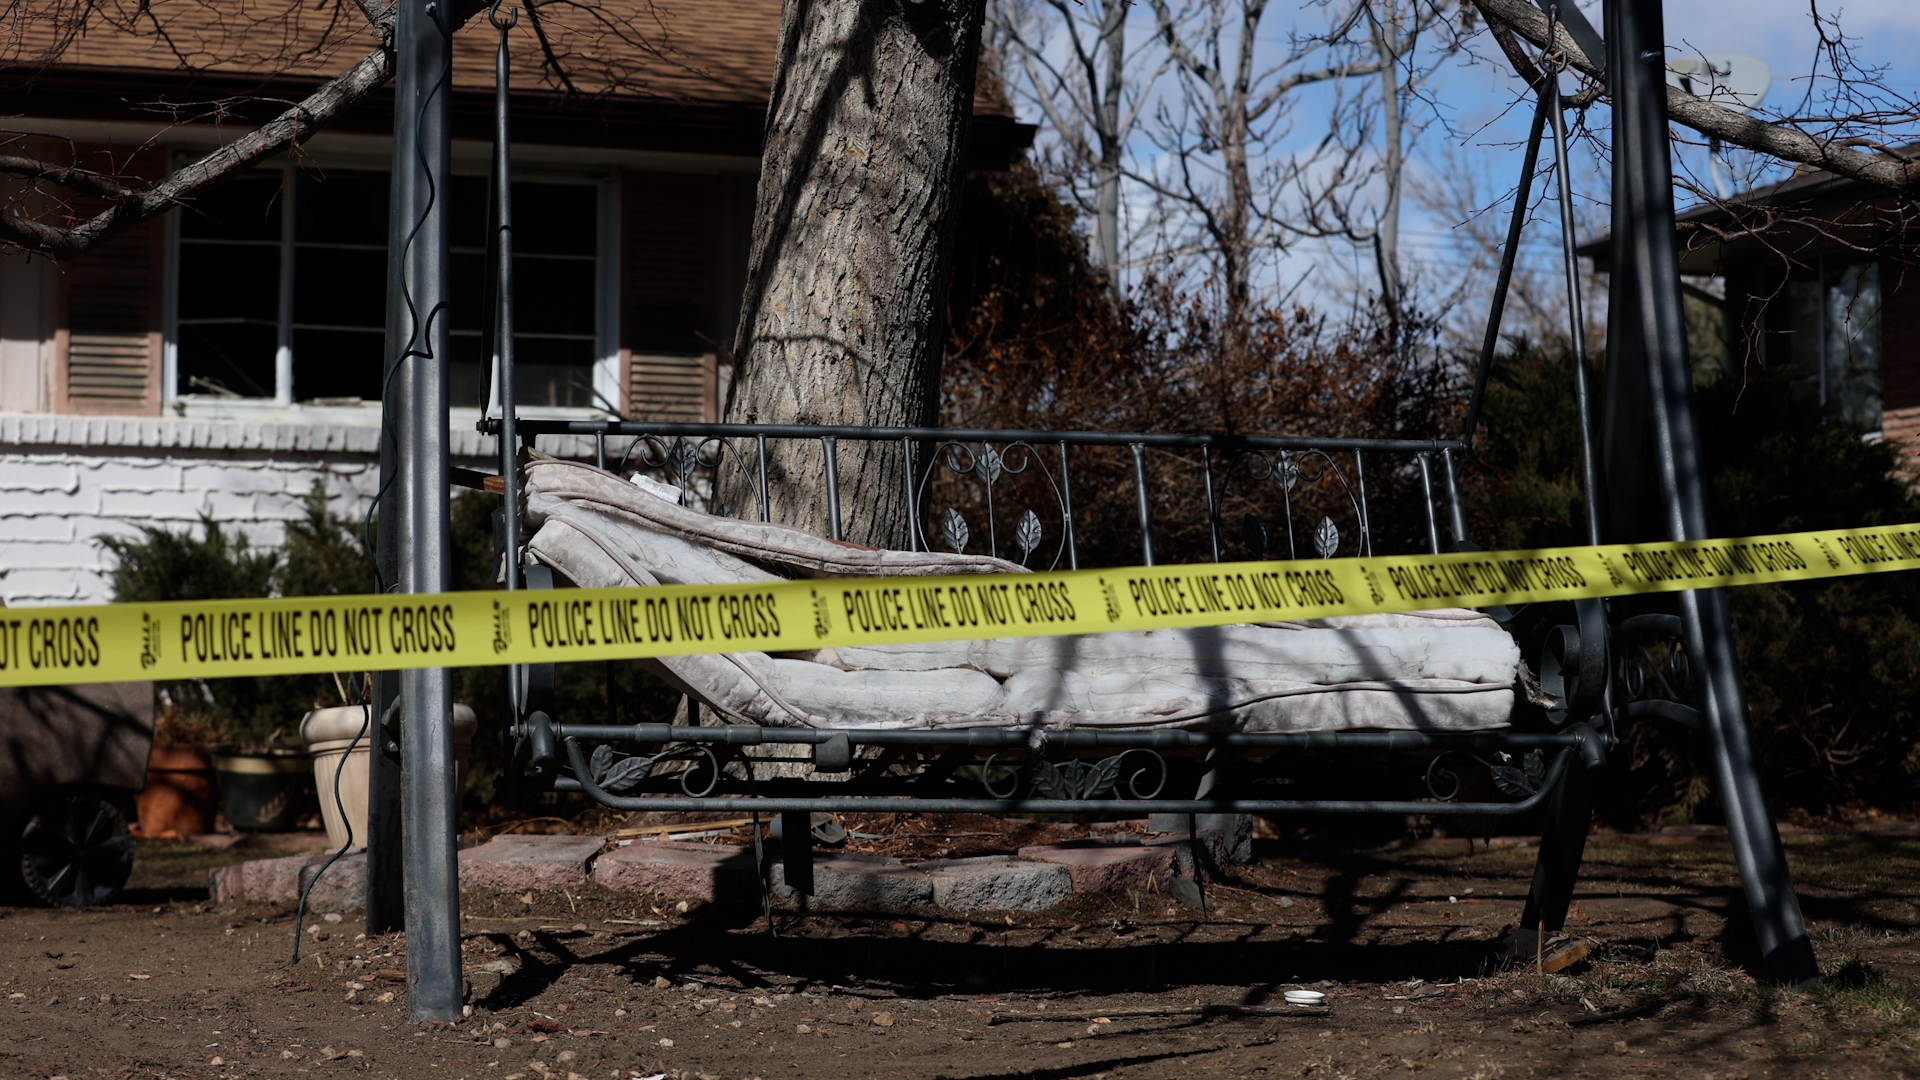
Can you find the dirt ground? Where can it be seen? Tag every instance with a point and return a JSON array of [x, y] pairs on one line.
[[604, 986]]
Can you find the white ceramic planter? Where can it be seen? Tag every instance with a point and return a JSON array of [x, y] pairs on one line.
[[329, 732]]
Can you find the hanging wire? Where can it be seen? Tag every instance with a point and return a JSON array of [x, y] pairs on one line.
[[1553, 64], [419, 333], [1515, 221], [339, 805], [419, 344]]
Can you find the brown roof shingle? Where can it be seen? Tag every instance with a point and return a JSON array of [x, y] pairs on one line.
[[695, 51]]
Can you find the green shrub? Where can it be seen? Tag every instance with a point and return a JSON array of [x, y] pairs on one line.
[[1832, 669], [321, 556]]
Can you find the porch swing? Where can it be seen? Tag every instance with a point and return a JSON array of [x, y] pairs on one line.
[[1223, 720]]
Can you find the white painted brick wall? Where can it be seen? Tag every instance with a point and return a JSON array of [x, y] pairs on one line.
[[65, 481]]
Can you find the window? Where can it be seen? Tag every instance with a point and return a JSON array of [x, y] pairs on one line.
[[281, 289], [1834, 319], [555, 270]]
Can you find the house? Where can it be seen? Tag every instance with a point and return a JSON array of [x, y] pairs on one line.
[[221, 358], [1819, 275]]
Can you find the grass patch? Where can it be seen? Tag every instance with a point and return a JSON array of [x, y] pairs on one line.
[[1854, 986]]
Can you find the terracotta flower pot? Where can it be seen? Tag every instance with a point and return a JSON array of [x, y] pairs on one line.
[[178, 798]]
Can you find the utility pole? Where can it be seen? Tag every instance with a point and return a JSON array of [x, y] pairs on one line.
[[414, 523], [1650, 394]]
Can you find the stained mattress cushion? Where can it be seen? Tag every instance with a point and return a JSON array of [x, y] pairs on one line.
[[1450, 670]]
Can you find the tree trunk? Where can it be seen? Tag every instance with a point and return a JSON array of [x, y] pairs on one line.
[[1106, 200], [1386, 241], [860, 177]]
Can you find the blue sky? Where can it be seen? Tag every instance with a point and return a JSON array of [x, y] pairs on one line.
[[1779, 32], [1476, 132]]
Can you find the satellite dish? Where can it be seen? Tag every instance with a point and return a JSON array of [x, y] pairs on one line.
[[1735, 80]]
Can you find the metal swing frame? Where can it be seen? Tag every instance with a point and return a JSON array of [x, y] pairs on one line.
[[1613, 666]]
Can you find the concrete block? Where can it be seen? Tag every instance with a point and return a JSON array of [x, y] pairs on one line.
[[342, 888], [236, 478], [19, 472], [680, 870], [82, 500], [27, 588], [225, 506], [134, 474], [39, 526], [998, 883], [1097, 866], [144, 505], [51, 555], [270, 881], [529, 862], [856, 882]]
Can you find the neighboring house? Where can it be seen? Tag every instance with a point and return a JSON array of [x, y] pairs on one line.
[[221, 358], [1820, 276]]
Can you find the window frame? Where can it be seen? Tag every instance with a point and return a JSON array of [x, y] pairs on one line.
[[607, 276], [1825, 276]]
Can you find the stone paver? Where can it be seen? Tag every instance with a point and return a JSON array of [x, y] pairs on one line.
[[279, 881], [857, 882], [264, 881], [1095, 866], [997, 882], [342, 888], [529, 862], [680, 870], [1041, 877]]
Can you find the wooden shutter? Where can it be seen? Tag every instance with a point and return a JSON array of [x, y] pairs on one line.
[[109, 336], [675, 388], [668, 294]]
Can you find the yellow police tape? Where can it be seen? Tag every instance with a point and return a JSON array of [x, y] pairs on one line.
[[221, 639]]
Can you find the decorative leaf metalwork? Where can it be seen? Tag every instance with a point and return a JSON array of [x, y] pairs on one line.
[[1326, 538], [1026, 535], [988, 464], [1510, 781], [1286, 471], [1255, 535], [617, 776], [627, 773], [683, 458], [1075, 779], [953, 528], [1520, 782]]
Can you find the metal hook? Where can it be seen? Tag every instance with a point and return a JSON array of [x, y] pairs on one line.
[[493, 16], [1553, 58]]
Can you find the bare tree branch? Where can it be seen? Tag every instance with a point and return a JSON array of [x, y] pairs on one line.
[[380, 16], [1717, 121], [67, 176], [290, 128]]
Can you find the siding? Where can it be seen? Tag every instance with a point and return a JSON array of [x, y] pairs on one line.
[[66, 481]]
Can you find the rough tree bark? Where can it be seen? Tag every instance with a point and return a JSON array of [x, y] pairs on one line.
[[842, 322]]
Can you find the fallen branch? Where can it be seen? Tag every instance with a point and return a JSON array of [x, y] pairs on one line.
[[683, 827], [1157, 1010], [1717, 121], [131, 207]]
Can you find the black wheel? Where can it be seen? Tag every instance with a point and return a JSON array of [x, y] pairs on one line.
[[76, 851]]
